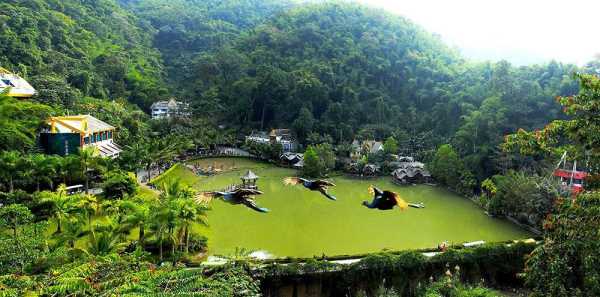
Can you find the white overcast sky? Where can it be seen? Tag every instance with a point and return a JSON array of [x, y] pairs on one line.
[[521, 31]]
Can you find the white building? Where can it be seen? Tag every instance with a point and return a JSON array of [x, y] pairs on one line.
[[366, 146], [167, 109], [280, 136], [18, 87]]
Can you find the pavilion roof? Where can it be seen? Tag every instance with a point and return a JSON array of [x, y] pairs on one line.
[[249, 175]]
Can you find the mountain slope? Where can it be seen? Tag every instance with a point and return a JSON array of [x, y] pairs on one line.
[[333, 55], [185, 29], [95, 47], [332, 71]]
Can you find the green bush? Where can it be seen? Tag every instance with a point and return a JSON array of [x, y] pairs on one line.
[[406, 272], [118, 184], [567, 263]]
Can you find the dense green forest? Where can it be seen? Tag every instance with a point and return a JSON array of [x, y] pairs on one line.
[[70, 49], [332, 72]]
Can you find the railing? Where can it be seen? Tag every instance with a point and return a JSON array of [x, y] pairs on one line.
[[231, 188], [221, 152], [218, 152]]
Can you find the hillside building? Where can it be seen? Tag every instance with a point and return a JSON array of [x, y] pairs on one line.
[[67, 134], [17, 86], [365, 147], [276, 136], [169, 109], [409, 171]]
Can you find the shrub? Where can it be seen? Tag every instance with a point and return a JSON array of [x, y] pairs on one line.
[[118, 184], [567, 263], [404, 273]]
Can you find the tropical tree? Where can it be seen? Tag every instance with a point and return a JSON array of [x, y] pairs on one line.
[[106, 237], [9, 163], [134, 156], [63, 205], [15, 216], [578, 135], [312, 164], [566, 264], [118, 184], [87, 206], [19, 122], [390, 146], [174, 207], [73, 230], [43, 169], [163, 220], [189, 213], [303, 125], [136, 214], [67, 168], [448, 169], [87, 162]]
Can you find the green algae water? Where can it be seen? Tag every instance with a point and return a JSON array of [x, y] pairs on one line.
[[302, 223]]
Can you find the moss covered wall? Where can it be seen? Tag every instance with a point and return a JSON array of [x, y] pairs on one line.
[[406, 272]]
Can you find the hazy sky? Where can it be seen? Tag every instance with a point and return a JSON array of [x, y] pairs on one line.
[[521, 31]]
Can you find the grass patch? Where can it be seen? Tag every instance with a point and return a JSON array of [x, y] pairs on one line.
[[146, 193], [178, 171]]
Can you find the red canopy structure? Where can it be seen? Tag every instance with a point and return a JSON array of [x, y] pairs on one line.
[[570, 178]]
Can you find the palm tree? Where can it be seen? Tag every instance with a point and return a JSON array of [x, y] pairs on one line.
[[88, 207], [162, 219], [165, 212], [190, 213], [9, 162], [135, 215], [136, 156], [87, 161], [148, 155], [106, 237], [63, 205], [25, 171], [63, 167], [73, 230], [53, 164], [43, 169]]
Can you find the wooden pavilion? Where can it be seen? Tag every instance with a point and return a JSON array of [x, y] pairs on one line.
[[249, 180]]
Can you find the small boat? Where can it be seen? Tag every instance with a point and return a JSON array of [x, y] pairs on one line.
[[417, 205]]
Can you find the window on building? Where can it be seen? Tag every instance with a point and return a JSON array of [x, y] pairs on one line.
[[8, 83], [110, 135], [86, 140]]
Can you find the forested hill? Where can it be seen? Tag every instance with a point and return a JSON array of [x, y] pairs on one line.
[[186, 29], [72, 48], [347, 65], [338, 70], [331, 71]]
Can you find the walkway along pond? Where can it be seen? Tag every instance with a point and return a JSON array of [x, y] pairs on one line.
[[305, 224]]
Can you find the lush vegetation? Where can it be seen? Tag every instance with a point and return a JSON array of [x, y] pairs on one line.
[[333, 72], [409, 273], [70, 49], [564, 265]]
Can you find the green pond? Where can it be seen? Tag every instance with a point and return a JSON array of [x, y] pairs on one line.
[[302, 223]]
